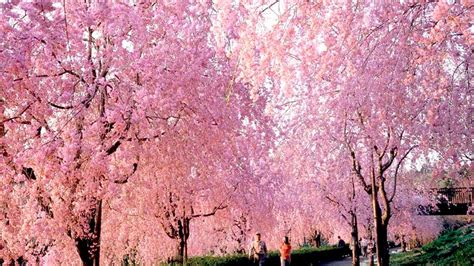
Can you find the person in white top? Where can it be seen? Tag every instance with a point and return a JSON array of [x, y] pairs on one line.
[[363, 244], [258, 250]]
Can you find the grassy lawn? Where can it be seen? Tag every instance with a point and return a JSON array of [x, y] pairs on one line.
[[455, 247]]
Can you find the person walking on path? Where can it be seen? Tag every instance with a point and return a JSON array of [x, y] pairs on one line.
[[258, 250], [318, 239], [371, 250], [364, 243], [403, 243], [285, 252], [340, 242]]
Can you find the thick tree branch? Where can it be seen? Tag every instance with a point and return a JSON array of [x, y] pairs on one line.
[[113, 148], [340, 205], [383, 167], [396, 172], [386, 144], [60, 106], [358, 170], [18, 115], [221, 206], [355, 163]]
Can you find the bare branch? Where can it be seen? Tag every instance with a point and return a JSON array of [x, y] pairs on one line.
[[387, 164], [18, 115], [113, 148], [268, 7], [340, 205], [358, 170], [386, 143], [60, 106], [396, 172], [211, 213]]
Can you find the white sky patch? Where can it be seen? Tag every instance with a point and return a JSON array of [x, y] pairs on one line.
[[97, 34], [57, 5], [321, 48], [128, 45]]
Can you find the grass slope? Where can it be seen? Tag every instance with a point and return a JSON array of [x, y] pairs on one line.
[[454, 247]]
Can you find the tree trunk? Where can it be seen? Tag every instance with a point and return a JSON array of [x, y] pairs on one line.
[[355, 241], [377, 225], [383, 252], [183, 235], [89, 247], [185, 251], [377, 212], [186, 236], [180, 251], [380, 234]]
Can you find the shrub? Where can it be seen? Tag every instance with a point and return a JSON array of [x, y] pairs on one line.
[[303, 257]]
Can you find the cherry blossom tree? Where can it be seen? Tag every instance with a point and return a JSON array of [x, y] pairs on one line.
[[126, 127], [193, 198], [390, 83], [86, 88]]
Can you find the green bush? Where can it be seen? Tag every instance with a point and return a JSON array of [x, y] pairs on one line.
[[304, 256]]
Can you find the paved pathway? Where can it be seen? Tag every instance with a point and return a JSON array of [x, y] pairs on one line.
[[348, 260]]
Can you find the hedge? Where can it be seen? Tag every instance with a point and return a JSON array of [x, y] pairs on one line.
[[303, 257]]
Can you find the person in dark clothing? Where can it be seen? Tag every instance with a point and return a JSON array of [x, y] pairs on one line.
[[340, 242], [318, 239]]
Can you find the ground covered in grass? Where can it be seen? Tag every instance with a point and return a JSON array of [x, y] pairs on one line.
[[453, 247]]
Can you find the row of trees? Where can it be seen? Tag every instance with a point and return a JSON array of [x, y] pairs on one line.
[[160, 129], [365, 91], [117, 111]]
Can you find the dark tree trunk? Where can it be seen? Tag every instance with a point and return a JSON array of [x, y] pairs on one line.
[[21, 261], [355, 241], [377, 212], [180, 251], [383, 251], [89, 247], [381, 243], [183, 235], [186, 236]]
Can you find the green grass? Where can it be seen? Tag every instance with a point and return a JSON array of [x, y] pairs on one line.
[[454, 247]]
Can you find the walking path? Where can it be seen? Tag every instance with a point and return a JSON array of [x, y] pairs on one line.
[[347, 261]]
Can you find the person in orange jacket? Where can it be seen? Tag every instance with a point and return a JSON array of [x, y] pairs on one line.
[[285, 252]]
